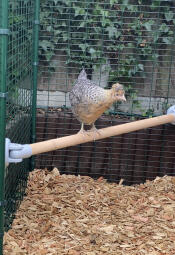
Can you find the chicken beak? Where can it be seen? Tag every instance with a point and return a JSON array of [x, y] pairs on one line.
[[123, 98]]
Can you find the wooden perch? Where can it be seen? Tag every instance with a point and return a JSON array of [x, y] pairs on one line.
[[79, 138]]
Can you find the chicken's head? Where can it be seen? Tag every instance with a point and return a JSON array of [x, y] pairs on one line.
[[118, 92]]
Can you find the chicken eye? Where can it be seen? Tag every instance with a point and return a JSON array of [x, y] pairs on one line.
[[119, 93]]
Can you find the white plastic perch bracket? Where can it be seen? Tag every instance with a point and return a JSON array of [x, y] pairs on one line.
[[14, 153], [171, 110]]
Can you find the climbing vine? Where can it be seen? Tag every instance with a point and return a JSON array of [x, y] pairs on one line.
[[89, 32], [124, 33]]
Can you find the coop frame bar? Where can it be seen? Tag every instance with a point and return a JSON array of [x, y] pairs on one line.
[[36, 24], [3, 71]]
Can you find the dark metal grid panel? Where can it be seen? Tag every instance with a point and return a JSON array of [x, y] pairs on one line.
[[127, 41], [19, 102], [134, 41], [133, 157]]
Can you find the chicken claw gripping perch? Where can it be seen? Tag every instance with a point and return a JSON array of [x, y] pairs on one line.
[[89, 101]]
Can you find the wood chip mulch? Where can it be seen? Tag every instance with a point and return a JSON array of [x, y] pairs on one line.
[[76, 215]]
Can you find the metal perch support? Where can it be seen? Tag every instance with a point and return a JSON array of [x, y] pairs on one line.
[[24, 151]]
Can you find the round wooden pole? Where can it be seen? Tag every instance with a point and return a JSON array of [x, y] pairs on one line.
[[79, 138]]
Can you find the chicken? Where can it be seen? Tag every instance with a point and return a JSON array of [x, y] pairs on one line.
[[89, 101]]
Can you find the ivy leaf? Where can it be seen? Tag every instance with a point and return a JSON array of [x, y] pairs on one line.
[[104, 13], [125, 2], [113, 32], [45, 45], [132, 8], [164, 28], [56, 1], [82, 24], [49, 55], [57, 32], [79, 11], [49, 28], [155, 4], [148, 25], [83, 46], [95, 53], [168, 40], [65, 37], [67, 2], [141, 67], [113, 2], [169, 16], [92, 51], [156, 36]]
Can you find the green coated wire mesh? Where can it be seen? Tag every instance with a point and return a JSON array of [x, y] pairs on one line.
[[19, 102], [127, 41]]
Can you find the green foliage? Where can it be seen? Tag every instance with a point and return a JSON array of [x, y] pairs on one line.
[[82, 31], [126, 33], [90, 32], [20, 41]]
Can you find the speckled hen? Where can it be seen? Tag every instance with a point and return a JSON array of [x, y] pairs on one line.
[[89, 101]]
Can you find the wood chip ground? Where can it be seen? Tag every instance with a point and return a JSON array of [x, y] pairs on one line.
[[76, 215]]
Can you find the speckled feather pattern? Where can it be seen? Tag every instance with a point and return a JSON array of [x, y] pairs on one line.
[[85, 91], [89, 101]]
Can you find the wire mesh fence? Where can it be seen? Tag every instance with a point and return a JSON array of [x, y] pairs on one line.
[[113, 41], [3, 50], [19, 101], [127, 41]]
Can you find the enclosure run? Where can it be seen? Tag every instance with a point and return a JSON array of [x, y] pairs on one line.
[[77, 215], [110, 192], [79, 138]]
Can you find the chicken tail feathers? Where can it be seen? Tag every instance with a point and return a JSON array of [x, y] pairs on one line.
[[82, 75]]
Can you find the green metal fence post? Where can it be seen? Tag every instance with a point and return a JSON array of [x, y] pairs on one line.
[[3, 69], [35, 71]]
